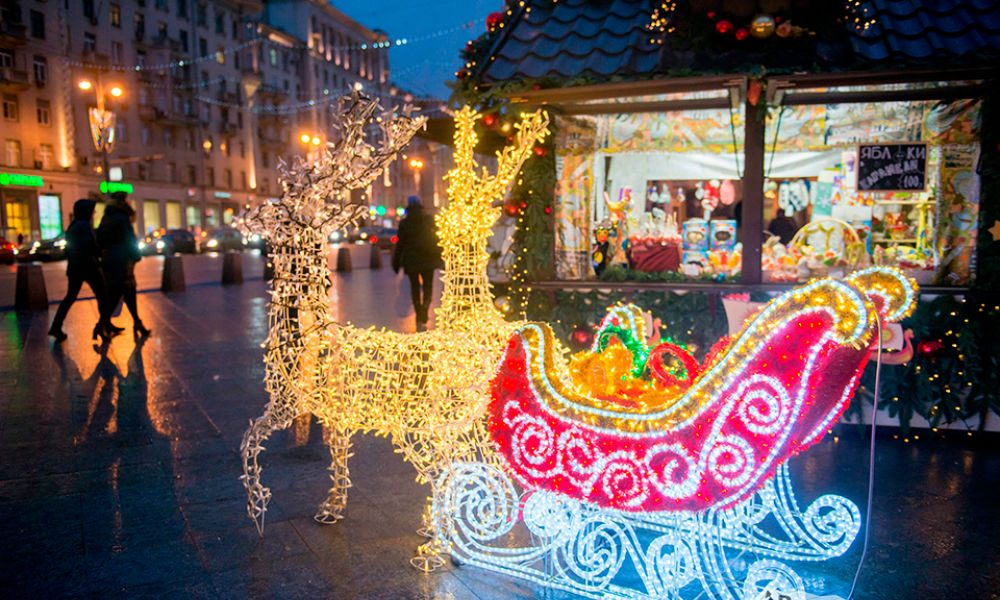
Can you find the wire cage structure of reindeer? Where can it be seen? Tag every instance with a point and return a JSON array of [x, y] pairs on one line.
[[634, 471], [427, 391]]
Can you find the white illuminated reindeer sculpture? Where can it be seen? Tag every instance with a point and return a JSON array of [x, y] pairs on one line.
[[428, 391]]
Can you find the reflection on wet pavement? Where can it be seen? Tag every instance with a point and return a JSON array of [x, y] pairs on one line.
[[120, 473]]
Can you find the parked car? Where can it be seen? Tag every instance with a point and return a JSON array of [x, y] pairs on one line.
[[45, 250], [8, 250], [221, 239], [384, 237], [168, 242]]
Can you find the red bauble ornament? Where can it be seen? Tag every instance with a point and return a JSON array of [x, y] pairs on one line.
[[930, 348], [493, 20], [581, 337], [461, 74], [724, 26], [710, 14], [548, 210], [742, 34], [540, 151], [489, 120]]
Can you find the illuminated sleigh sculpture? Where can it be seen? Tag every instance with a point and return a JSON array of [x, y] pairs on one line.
[[657, 491]]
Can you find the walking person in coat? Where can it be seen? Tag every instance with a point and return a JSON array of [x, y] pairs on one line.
[[82, 266], [120, 252], [418, 253]]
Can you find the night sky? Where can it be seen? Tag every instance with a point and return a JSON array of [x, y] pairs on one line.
[[423, 65]]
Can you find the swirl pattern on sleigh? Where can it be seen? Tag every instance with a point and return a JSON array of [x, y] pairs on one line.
[[639, 429]]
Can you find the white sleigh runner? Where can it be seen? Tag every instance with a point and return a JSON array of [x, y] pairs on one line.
[[575, 497]]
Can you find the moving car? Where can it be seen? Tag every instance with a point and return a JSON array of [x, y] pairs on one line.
[[384, 237], [8, 250], [221, 239], [168, 242], [45, 250]]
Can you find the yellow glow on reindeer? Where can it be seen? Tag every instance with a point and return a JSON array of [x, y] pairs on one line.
[[428, 391]]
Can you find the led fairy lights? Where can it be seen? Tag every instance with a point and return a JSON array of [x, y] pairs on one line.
[[783, 380], [427, 391]]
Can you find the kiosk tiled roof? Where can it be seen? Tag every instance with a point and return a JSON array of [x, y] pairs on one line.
[[605, 38]]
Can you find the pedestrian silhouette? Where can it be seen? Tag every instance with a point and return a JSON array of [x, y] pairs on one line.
[[418, 253], [120, 252], [82, 266]]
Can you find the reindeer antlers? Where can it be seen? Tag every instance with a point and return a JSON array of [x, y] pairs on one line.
[[466, 184], [316, 194]]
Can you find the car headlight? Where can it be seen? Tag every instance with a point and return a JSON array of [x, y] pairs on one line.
[[61, 244], [160, 245], [142, 245], [212, 243]]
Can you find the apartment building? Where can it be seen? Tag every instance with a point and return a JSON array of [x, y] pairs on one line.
[[213, 94]]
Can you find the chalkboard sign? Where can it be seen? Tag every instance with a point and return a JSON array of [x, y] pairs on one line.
[[892, 167]]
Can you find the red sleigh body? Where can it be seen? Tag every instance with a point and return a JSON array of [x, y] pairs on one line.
[[772, 393]]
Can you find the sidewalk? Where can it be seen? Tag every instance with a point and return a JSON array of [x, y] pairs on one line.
[[120, 473]]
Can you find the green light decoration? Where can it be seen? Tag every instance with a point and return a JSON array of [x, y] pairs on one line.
[[20, 179], [381, 210], [110, 187]]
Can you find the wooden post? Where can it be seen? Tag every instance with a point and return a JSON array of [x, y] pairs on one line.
[[375, 261], [753, 193]]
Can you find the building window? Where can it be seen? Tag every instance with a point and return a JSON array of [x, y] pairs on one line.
[[243, 180], [220, 56], [37, 25], [144, 134], [239, 123], [41, 67], [140, 26], [161, 30], [143, 175], [183, 36], [202, 47], [182, 10], [202, 15], [88, 9], [121, 129], [171, 173], [272, 54], [264, 160], [161, 4], [115, 12], [43, 112], [229, 179], [89, 42], [116, 52], [168, 137], [9, 107], [243, 150], [45, 155], [220, 23], [13, 153], [192, 175], [140, 58], [210, 176]]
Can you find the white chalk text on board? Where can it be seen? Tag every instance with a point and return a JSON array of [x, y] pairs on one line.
[[892, 167]]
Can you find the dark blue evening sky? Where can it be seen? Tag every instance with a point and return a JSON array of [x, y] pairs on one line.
[[424, 64]]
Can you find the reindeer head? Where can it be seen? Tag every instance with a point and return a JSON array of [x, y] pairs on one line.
[[315, 195], [466, 223]]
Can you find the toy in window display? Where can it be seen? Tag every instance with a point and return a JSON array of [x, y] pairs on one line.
[[618, 235], [599, 250]]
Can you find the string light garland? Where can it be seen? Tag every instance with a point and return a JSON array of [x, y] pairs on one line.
[[427, 391]]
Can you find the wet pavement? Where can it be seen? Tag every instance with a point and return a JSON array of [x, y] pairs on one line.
[[120, 470]]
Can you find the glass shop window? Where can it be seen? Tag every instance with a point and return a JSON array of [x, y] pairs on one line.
[[854, 184], [653, 195]]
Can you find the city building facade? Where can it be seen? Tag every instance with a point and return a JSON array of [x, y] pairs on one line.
[[208, 96]]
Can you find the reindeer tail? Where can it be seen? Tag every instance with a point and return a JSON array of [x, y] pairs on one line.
[[257, 495]]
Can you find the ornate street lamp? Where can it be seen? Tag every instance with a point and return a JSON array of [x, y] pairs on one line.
[[102, 122]]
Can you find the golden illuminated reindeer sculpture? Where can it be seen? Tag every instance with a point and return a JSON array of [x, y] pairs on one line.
[[428, 391]]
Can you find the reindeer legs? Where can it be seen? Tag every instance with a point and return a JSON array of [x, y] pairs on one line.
[[257, 495], [331, 510]]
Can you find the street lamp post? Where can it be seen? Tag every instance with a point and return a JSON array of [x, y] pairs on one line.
[[102, 123]]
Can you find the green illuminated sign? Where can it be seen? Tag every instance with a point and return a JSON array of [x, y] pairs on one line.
[[19, 179], [115, 186]]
